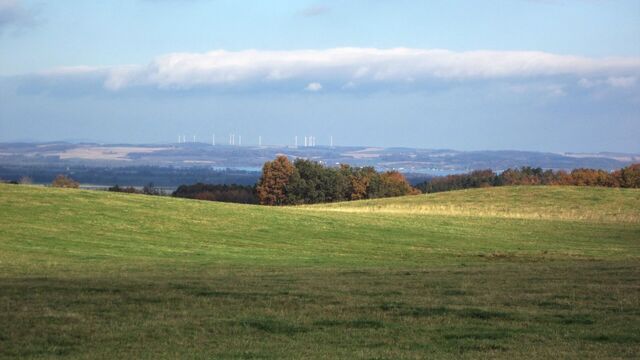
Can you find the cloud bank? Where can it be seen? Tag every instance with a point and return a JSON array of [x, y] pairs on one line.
[[344, 69]]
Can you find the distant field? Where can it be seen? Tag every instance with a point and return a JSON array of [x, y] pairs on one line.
[[533, 272]]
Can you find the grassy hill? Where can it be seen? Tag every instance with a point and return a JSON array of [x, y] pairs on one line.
[[500, 272]]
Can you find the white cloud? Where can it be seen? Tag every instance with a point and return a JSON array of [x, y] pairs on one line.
[[587, 84], [314, 86], [363, 66], [550, 89], [622, 81]]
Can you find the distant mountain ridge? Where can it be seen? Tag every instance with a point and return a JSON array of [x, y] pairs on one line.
[[251, 158]]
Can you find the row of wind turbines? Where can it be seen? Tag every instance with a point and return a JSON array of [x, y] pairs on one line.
[[309, 141]]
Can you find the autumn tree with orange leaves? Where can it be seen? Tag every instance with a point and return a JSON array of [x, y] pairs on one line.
[[393, 183], [276, 175]]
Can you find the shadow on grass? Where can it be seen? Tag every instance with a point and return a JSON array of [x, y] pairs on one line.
[[273, 326], [353, 324], [402, 309]]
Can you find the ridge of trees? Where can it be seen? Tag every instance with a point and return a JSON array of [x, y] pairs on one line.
[[627, 177]]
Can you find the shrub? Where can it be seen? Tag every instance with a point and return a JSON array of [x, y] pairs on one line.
[[628, 177], [128, 190], [223, 193], [63, 181]]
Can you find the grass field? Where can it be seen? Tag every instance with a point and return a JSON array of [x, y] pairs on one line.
[[533, 272]]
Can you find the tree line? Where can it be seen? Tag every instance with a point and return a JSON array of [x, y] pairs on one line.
[[309, 182], [303, 181], [627, 177], [299, 182]]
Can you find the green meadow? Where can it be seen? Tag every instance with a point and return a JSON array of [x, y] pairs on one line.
[[505, 272]]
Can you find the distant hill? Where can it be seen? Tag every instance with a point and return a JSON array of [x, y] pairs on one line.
[[251, 158]]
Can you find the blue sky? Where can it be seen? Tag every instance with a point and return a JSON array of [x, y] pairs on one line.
[[549, 75]]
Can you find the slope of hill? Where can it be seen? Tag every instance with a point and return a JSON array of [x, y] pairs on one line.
[[114, 227], [501, 272], [517, 202]]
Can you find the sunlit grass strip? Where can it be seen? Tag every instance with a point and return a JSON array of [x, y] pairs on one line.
[[452, 210], [601, 205]]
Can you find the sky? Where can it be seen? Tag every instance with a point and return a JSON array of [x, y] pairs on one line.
[[543, 75]]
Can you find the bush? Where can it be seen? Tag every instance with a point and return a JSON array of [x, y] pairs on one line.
[[224, 193], [128, 190], [151, 189], [63, 181], [628, 177], [148, 189]]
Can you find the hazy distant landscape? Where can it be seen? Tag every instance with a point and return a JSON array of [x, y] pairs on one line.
[[171, 165]]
